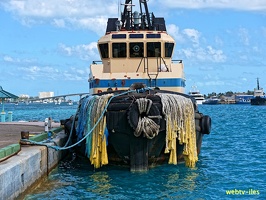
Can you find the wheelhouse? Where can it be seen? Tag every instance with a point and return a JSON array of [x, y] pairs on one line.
[[134, 48]]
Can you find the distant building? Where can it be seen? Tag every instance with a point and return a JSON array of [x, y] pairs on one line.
[[46, 94], [24, 96], [227, 99]]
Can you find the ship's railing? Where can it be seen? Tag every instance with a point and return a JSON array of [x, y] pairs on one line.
[[95, 62], [177, 61], [159, 60]]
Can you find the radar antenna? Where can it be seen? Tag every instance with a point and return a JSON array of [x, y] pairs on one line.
[[131, 20], [142, 20]]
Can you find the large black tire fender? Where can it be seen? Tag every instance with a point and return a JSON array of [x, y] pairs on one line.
[[205, 124], [133, 115]]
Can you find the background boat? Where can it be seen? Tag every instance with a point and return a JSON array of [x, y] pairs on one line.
[[243, 99], [259, 97], [212, 101], [195, 93]]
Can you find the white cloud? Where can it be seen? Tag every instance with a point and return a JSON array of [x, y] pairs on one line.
[[52, 73], [85, 14], [83, 51], [193, 35], [244, 36], [174, 31], [13, 60], [255, 49], [255, 5], [180, 36], [60, 8], [65, 50], [218, 41], [194, 50], [75, 74], [8, 59], [97, 24], [59, 23], [208, 54], [216, 55]]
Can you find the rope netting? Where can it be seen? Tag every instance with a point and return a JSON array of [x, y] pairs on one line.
[[180, 124], [91, 110]]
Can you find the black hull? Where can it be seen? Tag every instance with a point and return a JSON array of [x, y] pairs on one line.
[[141, 153], [258, 101]]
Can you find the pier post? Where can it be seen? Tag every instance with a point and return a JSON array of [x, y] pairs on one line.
[[10, 116], [46, 129], [3, 116], [49, 123]]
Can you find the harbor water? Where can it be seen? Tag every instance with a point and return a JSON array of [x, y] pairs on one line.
[[232, 163], [40, 111]]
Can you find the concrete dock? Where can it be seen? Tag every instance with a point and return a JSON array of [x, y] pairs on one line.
[[10, 131], [31, 163]]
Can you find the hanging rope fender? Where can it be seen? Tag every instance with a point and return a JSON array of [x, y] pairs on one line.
[[144, 117]]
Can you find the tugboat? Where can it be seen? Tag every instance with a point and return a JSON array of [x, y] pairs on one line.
[[259, 98], [138, 114]]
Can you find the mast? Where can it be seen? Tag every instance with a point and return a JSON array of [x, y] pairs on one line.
[[137, 20], [142, 20], [147, 13], [258, 84]]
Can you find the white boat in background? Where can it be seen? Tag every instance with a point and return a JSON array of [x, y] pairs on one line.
[[57, 102], [70, 102], [194, 92], [213, 100]]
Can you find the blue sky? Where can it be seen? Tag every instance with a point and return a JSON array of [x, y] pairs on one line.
[[48, 45]]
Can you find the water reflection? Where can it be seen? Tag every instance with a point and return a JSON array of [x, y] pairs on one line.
[[100, 183], [181, 183]]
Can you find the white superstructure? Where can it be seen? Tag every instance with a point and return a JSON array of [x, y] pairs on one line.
[[194, 92]]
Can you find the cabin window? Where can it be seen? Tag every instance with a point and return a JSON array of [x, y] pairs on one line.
[[169, 47], [153, 49], [152, 36], [119, 36], [135, 35], [104, 50], [119, 50], [136, 49]]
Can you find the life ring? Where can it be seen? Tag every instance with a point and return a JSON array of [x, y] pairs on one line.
[[135, 116], [205, 124]]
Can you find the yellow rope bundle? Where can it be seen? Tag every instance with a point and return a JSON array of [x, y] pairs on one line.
[[98, 156], [179, 116]]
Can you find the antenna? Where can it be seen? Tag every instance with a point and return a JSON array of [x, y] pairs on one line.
[[258, 84], [119, 9]]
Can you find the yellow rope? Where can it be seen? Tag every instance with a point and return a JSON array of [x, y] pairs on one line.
[[179, 116], [99, 155]]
